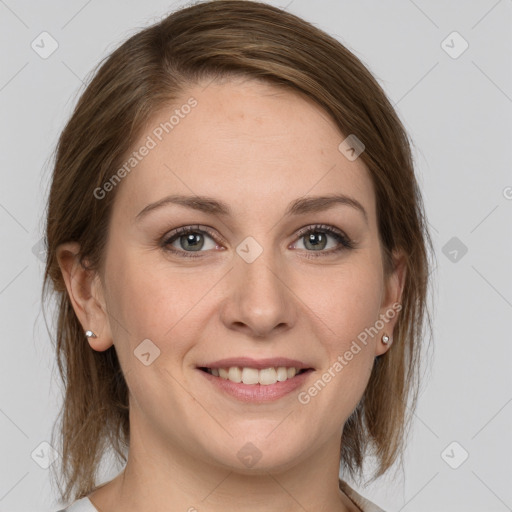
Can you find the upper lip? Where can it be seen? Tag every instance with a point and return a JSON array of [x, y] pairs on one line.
[[260, 364]]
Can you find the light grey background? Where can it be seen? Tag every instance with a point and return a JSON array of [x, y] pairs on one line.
[[458, 113]]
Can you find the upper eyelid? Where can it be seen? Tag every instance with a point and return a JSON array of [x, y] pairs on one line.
[[320, 227]]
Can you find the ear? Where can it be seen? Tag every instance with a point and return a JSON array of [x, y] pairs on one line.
[[86, 295], [391, 301]]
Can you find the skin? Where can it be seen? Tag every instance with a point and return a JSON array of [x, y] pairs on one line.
[[257, 148]]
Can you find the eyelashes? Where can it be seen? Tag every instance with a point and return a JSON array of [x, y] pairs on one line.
[[190, 234]]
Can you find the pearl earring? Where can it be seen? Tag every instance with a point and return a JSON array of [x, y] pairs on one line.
[[385, 339], [90, 334]]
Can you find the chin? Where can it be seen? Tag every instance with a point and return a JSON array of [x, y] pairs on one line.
[[262, 454]]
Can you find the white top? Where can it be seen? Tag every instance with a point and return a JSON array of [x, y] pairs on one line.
[[362, 503], [85, 504], [81, 505]]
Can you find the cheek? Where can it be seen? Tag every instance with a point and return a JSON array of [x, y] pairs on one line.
[[350, 307], [148, 301], [348, 301]]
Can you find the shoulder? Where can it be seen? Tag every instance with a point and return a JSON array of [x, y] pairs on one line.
[[364, 504], [81, 505]]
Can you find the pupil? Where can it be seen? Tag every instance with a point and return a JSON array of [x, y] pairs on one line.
[[191, 239], [318, 243]]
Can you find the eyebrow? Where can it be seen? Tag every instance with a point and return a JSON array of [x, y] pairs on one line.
[[301, 206]]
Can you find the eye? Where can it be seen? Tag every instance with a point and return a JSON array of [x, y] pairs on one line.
[[316, 240], [189, 239]]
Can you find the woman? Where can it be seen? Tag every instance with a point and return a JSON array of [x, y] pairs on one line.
[[239, 248]]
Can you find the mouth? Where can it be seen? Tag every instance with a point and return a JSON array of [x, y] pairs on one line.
[[256, 381], [253, 376]]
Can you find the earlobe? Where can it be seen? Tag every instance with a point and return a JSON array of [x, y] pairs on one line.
[[83, 287]]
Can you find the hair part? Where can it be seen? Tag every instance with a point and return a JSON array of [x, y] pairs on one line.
[[207, 41]]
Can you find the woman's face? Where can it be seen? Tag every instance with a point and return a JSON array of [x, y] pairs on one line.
[[245, 288]]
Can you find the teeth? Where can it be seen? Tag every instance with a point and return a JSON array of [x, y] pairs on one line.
[[250, 376], [281, 374], [264, 377], [235, 374]]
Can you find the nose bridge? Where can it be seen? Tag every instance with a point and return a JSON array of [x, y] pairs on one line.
[[259, 276], [259, 296]]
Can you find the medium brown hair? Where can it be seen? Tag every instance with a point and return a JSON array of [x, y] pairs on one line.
[[205, 41]]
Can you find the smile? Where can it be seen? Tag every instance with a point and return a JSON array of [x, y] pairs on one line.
[[253, 376], [255, 380]]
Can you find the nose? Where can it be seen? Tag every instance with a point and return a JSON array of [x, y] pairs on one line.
[[259, 302]]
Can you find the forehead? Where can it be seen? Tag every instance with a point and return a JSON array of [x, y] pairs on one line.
[[252, 145]]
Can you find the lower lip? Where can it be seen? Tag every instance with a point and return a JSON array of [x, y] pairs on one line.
[[256, 392]]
